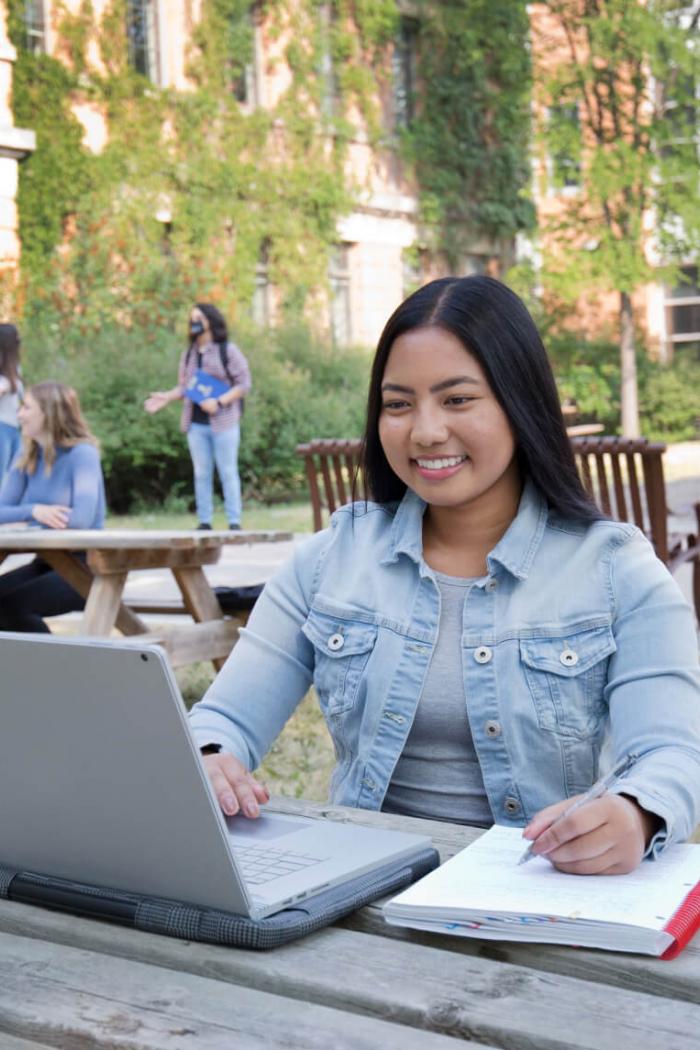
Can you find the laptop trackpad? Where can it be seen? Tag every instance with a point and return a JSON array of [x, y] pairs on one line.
[[263, 828]]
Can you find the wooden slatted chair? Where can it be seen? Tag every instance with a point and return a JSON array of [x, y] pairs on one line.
[[625, 478], [332, 470]]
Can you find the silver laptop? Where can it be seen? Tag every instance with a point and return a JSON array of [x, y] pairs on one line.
[[101, 782]]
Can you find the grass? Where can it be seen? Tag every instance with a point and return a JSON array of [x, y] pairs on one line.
[[289, 517]]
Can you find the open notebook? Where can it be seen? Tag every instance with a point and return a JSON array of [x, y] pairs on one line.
[[483, 892]]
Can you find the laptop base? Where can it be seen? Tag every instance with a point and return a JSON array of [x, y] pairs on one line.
[[210, 925]]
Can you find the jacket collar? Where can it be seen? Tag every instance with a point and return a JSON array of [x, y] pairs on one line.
[[514, 552]]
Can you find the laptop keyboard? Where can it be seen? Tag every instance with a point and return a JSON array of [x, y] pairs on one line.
[[260, 864]]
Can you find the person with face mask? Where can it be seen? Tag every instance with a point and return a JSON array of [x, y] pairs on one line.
[[212, 424]]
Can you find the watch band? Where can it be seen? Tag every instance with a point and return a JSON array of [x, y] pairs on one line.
[[210, 749]]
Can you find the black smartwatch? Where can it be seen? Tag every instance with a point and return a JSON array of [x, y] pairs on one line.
[[210, 749]]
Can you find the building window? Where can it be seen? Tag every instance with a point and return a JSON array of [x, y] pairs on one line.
[[141, 37], [412, 263], [330, 88], [339, 280], [260, 306], [242, 66], [475, 264], [683, 309], [35, 26], [403, 63], [678, 132], [565, 147]]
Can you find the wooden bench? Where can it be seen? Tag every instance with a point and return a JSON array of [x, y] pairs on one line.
[[625, 478]]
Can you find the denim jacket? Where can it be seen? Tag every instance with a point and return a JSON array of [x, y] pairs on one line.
[[576, 634]]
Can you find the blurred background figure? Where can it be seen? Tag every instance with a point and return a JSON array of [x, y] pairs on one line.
[[55, 483], [10, 396], [213, 379]]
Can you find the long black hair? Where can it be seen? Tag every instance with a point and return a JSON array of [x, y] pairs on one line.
[[493, 324], [9, 354], [217, 324]]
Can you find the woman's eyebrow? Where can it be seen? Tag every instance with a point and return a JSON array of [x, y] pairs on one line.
[[443, 385]]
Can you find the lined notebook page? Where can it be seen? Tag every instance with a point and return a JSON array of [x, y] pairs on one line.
[[486, 878]]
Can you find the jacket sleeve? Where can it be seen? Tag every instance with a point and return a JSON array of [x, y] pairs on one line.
[[654, 691], [270, 668], [11, 493]]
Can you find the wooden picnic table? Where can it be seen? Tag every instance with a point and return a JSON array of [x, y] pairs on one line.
[[113, 553], [361, 984]]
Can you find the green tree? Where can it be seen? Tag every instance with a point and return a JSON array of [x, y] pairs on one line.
[[627, 76]]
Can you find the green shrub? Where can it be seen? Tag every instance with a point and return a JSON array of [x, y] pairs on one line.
[[588, 372], [669, 401]]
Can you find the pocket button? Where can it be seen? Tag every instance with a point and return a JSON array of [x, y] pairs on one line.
[[568, 658], [483, 654], [335, 642]]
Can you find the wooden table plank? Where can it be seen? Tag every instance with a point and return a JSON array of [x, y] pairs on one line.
[[212, 640], [426, 988], [10, 1042], [71, 997], [27, 539], [119, 559]]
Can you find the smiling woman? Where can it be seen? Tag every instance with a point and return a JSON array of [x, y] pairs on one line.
[[477, 630]]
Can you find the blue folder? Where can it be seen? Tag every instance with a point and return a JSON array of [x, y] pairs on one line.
[[202, 385]]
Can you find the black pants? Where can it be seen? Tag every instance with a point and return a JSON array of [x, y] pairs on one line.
[[33, 591]]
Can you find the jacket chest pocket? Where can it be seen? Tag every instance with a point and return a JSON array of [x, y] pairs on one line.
[[566, 677], [342, 649]]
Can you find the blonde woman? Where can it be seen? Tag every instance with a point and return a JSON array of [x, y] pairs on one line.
[[55, 483]]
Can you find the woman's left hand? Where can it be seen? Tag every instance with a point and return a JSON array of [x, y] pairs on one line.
[[53, 515], [210, 405], [607, 836]]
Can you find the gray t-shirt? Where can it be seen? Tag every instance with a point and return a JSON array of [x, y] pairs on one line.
[[438, 774]]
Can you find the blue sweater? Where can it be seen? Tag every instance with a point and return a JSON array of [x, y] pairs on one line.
[[75, 481]]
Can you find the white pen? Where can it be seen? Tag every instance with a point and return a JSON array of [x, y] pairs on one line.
[[598, 789]]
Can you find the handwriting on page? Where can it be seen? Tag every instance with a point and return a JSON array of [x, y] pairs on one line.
[[487, 878]]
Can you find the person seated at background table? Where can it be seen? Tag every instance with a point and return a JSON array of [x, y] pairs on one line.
[[474, 632], [56, 483]]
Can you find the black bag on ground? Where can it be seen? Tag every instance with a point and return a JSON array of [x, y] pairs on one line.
[[237, 599]]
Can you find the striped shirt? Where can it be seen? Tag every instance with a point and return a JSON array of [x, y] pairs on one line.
[[211, 363]]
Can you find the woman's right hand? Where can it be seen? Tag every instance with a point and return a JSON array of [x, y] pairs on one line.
[[155, 401], [53, 515], [236, 789]]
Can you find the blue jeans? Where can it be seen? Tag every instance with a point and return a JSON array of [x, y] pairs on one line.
[[206, 449], [9, 446]]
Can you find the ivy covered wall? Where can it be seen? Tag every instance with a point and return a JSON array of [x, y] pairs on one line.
[[192, 189], [235, 180]]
